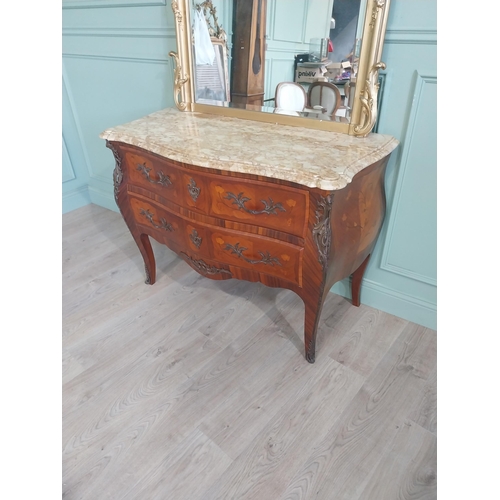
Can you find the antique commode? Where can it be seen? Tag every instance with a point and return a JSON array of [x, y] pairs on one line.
[[287, 206]]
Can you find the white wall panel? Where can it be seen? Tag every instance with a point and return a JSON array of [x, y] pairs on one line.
[[295, 14]]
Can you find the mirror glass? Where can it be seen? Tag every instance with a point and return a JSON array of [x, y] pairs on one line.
[[297, 58]]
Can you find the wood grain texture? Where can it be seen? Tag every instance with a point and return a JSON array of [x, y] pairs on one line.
[[363, 338], [408, 469], [369, 423], [269, 461], [197, 389], [424, 412]]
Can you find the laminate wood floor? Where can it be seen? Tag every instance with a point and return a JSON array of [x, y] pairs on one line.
[[198, 389]]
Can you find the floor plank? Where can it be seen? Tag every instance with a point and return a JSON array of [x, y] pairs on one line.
[[357, 442], [424, 411], [409, 468], [264, 469]]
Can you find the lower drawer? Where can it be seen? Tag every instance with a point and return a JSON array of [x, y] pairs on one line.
[[234, 248]]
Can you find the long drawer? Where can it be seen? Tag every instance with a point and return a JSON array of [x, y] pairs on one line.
[[234, 248], [263, 204]]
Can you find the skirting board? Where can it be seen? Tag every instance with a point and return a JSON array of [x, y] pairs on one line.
[[75, 199], [391, 301], [103, 199]]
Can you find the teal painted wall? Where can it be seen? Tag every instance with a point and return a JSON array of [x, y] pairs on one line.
[[116, 68], [75, 178], [401, 277]]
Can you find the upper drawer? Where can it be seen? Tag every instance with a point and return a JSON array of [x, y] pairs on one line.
[[262, 204], [156, 176]]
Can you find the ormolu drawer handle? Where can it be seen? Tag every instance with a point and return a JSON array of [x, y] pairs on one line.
[[195, 238], [205, 268], [163, 179], [163, 223], [193, 189], [269, 206], [266, 257]]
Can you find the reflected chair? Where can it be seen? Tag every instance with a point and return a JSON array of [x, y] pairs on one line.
[[290, 96], [324, 95]]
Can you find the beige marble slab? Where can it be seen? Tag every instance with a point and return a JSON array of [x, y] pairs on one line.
[[313, 158]]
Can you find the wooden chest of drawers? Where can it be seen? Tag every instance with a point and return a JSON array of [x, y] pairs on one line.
[[237, 225]]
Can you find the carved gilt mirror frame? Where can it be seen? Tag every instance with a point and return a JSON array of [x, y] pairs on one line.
[[364, 103]]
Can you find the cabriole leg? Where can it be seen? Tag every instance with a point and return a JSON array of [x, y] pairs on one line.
[[357, 276], [312, 315], [147, 254]]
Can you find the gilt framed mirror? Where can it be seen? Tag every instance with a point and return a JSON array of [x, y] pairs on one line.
[[262, 43]]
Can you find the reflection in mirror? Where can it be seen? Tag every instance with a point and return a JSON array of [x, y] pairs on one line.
[[212, 79], [210, 55], [272, 42], [269, 42]]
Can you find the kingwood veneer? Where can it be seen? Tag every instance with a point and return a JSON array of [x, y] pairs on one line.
[[288, 207]]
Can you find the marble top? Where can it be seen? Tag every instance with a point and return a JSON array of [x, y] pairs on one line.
[[313, 158]]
